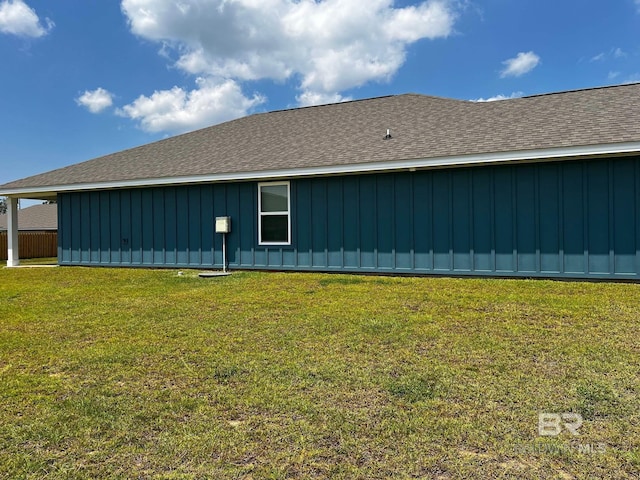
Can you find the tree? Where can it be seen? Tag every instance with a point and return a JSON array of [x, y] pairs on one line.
[[3, 205]]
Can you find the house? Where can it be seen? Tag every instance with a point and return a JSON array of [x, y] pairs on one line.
[[540, 186], [36, 218], [37, 232]]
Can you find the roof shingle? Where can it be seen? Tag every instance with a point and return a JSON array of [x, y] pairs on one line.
[[34, 218], [352, 133]]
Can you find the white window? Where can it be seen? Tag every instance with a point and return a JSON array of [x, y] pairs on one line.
[[274, 214]]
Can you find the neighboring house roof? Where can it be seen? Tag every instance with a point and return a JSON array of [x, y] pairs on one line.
[[349, 137], [35, 218]]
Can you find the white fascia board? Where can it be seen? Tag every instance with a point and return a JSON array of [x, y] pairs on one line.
[[373, 167]]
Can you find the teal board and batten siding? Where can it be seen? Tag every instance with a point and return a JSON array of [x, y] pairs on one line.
[[556, 219]]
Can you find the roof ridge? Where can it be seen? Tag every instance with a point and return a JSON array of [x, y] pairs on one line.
[[305, 107], [356, 100], [575, 90]]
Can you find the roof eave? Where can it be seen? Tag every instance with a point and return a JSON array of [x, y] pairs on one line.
[[615, 149]]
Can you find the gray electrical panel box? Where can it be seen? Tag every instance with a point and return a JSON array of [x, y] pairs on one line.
[[223, 224]]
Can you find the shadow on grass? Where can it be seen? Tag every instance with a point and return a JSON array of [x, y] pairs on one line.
[[39, 261]]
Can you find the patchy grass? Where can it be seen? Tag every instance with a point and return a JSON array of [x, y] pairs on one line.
[[108, 373]]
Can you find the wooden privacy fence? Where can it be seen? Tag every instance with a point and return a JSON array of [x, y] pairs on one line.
[[32, 244]]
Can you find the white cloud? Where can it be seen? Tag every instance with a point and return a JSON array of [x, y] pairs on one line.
[[17, 18], [307, 98], [618, 53], [522, 63], [613, 75], [95, 100], [614, 52], [499, 97], [177, 110], [326, 46]]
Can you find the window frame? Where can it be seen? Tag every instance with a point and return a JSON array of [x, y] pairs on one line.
[[280, 213]]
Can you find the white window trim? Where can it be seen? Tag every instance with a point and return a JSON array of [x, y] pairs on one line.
[[261, 213]]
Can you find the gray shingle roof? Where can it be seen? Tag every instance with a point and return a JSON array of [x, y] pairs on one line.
[[34, 218], [352, 133]]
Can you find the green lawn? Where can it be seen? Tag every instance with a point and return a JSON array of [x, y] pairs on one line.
[[116, 373]]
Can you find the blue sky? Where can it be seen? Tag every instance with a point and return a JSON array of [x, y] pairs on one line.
[[82, 79]]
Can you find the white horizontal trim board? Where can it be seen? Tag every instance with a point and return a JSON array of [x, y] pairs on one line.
[[424, 163]]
